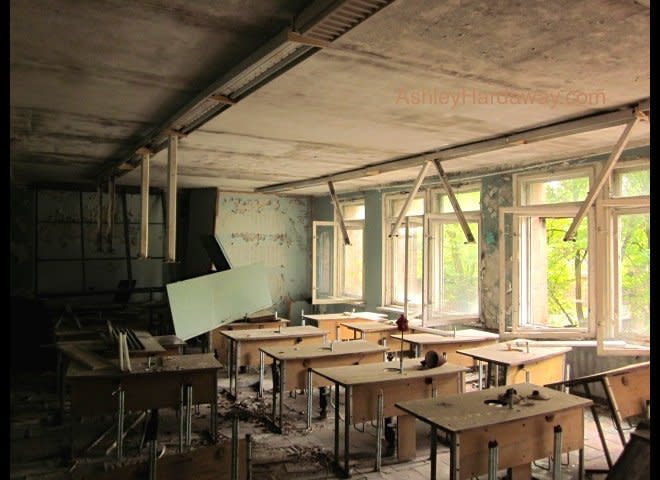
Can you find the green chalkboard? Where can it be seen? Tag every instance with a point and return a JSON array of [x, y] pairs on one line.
[[201, 304]]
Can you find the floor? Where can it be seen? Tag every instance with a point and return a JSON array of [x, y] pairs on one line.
[[40, 443]]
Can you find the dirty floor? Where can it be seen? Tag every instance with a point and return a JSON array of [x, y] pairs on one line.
[[41, 444]]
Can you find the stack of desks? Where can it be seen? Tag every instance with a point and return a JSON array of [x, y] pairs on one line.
[[220, 345], [627, 393], [294, 365], [244, 346], [441, 343], [530, 363], [332, 322], [524, 433], [362, 385], [165, 382]]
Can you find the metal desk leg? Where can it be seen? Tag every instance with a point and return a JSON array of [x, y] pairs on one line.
[[454, 457], [348, 393], [188, 415], [556, 458], [234, 448], [276, 385], [434, 452], [261, 374], [418, 351], [337, 424], [182, 402], [497, 375], [599, 427], [380, 427], [230, 368], [214, 414], [480, 375], [281, 401], [489, 373], [581, 464], [237, 364], [614, 408], [309, 398], [120, 423]]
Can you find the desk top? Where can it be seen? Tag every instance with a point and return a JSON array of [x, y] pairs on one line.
[[316, 351], [500, 353], [195, 362], [256, 334], [467, 411], [594, 377], [436, 339], [370, 316], [370, 326], [466, 332], [385, 372]]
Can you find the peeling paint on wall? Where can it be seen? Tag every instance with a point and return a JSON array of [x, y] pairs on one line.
[[274, 231], [495, 192]]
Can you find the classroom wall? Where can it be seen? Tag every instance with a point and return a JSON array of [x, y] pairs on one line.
[[276, 232], [54, 247]]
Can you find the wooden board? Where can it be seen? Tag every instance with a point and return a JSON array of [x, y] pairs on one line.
[[385, 372], [256, 335], [295, 369], [365, 396], [437, 339], [85, 357], [304, 352], [331, 322], [631, 389], [500, 354], [202, 304], [155, 387], [542, 372], [520, 442], [249, 351], [452, 348]]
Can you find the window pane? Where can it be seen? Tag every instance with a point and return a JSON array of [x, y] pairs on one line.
[[455, 274], [324, 260], [468, 201], [634, 275], [416, 207], [351, 282], [353, 212], [632, 183], [556, 191], [415, 262], [554, 274]]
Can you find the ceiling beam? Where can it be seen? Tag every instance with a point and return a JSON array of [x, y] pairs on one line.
[[586, 123], [282, 52]]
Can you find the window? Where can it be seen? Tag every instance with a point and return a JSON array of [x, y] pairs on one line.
[[626, 241], [442, 282], [453, 263], [337, 269], [551, 289], [594, 286], [405, 253]]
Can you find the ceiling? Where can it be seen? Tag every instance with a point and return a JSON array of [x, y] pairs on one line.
[[91, 82]]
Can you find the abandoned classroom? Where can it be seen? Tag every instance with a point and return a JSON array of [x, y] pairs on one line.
[[369, 239]]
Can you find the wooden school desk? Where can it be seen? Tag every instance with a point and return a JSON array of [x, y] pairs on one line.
[[170, 382], [331, 322], [539, 365], [443, 343], [251, 340], [524, 433], [362, 385], [294, 364], [627, 391]]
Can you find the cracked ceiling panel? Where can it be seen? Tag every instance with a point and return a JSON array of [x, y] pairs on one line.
[[92, 80]]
